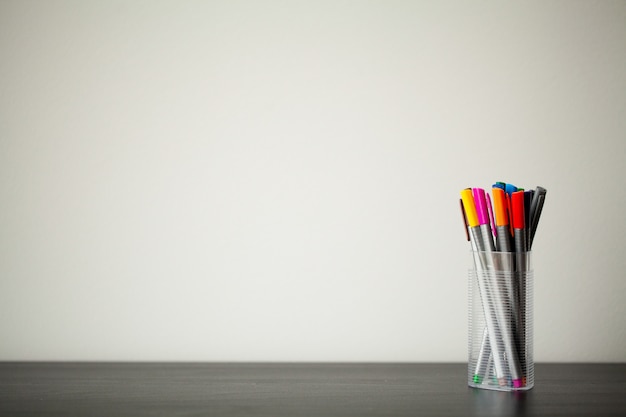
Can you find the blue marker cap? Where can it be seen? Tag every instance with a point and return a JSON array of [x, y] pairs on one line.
[[510, 189]]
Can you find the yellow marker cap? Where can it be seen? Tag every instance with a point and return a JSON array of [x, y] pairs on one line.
[[470, 208]]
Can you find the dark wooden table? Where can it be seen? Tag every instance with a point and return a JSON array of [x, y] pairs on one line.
[[214, 389]]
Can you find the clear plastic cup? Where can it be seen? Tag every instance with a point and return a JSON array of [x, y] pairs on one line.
[[500, 340]]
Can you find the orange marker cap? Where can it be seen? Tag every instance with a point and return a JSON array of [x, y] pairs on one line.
[[500, 207]]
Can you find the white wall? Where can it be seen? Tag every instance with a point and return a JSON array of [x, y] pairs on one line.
[[278, 180]]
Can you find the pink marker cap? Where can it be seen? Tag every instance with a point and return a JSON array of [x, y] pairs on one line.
[[517, 383], [481, 205]]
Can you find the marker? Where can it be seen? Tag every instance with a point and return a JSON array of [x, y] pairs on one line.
[[492, 222], [519, 221], [483, 218], [519, 238], [503, 243], [464, 217], [484, 356], [536, 206], [469, 207], [498, 287], [503, 234], [483, 360], [528, 196], [489, 309]]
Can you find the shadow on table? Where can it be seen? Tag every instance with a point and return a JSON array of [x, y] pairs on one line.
[[498, 403]]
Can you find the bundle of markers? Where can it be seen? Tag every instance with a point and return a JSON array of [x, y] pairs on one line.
[[501, 235]]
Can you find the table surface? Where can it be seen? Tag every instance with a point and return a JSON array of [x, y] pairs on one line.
[[295, 389]]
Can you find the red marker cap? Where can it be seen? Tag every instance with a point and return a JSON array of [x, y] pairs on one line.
[[517, 208]]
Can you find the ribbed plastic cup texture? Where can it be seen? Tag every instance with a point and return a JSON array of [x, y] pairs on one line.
[[500, 340]]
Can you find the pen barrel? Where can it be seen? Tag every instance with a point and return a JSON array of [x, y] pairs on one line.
[[500, 340], [484, 357], [486, 236], [484, 290], [503, 238], [520, 242], [520, 290]]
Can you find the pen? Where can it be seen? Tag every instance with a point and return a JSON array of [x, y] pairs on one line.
[[484, 358], [500, 289], [503, 241], [519, 237], [528, 197], [464, 218], [484, 355], [478, 247], [482, 213], [479, 197], [492, 222], [518, 221], [536, 206]]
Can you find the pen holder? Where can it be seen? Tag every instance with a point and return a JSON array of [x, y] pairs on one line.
[[500, 348]]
